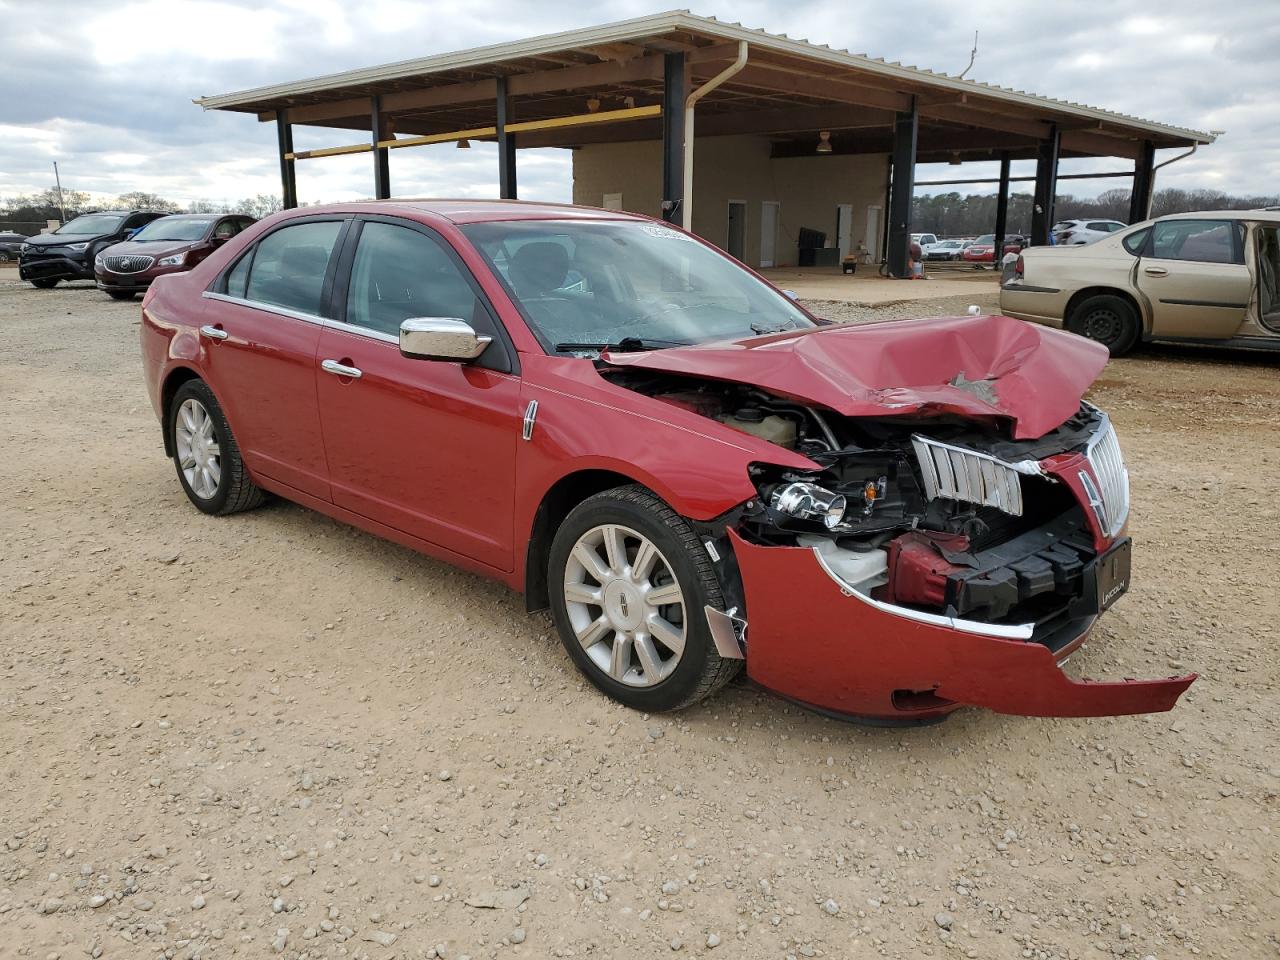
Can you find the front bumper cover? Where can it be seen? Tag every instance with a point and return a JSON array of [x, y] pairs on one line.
[[814, 640], [54, 268]]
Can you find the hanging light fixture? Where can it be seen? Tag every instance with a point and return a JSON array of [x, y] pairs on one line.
[[824, 142], [464, 144]]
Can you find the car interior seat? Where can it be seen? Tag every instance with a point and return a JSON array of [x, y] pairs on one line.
[[538, 268]]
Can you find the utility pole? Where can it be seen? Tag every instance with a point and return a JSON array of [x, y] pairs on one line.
[[58, 180]]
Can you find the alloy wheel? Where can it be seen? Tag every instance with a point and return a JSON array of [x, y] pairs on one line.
[[199, 455], [625, 605]]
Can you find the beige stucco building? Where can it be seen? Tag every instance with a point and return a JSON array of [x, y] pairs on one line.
[[748, 202]]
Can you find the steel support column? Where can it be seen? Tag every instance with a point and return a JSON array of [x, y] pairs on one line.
[[1144, 181], [381, 155], [1046, 187], [506, 144], [288, 176], [675, 86], [1002, 208], [905, 129]]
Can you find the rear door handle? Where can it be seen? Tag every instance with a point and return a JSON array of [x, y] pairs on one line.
[[340, 369], [1155, 271], [214, 333]]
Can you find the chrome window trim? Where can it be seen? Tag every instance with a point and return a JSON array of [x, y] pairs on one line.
[[328, 322], [1017, 631]]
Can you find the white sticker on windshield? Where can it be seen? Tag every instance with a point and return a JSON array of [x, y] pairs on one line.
[[665, 233]]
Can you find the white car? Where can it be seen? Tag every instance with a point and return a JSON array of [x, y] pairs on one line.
[[1072, 233], [924, 239]]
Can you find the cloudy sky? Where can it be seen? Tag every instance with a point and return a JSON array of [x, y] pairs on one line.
[[107, 92]]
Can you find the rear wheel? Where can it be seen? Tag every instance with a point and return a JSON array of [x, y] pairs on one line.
[[122, 294], [45, 283], [1108, 319], [629, 583], [206, 455]]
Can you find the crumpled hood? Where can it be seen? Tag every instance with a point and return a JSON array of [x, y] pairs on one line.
[[1034, 377]]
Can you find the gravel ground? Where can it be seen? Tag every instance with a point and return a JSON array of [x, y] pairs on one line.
[[272, 734]]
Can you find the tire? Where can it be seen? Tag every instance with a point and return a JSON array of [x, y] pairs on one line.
[[193, 404], [122, 294], [45, 283], [624, 664], [5, 257], [1108, 319]]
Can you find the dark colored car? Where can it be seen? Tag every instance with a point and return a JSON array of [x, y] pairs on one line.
[[10, 246], [692, 472], [67, 253], [168, 245]]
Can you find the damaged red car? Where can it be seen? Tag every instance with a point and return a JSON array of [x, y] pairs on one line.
[[692, 472]]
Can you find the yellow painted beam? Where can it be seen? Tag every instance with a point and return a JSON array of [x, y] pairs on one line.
[[482, 133]]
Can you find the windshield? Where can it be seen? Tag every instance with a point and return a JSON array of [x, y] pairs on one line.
[[173, 228], [92, 224], [987, 238], [589, 284]]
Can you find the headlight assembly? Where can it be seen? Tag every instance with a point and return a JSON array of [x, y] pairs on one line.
[[176, 260], [77, 247], [808, 501]]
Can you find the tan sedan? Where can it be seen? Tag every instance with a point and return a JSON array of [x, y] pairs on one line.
[[1194, 277]]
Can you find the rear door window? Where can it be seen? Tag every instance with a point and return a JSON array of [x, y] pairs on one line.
[[1203, 241], [287, 267]]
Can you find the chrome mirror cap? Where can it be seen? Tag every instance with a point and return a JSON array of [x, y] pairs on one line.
[[440, 338]]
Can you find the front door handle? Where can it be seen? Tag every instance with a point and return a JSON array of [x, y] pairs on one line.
[[340, 369], [1155, 271], [214, 333]]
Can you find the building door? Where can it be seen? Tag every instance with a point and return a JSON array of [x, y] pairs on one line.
[[769, 232], [844, 228], [874, 227], [736, 237]]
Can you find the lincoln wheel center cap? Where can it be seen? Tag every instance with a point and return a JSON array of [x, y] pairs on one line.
[[623, 604]]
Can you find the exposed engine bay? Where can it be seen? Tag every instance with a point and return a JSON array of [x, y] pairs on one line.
[[941, 514]]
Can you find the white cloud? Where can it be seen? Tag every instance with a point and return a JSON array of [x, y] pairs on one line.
[[109, 95]]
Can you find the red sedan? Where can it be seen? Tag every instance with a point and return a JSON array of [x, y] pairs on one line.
[[983, 249], [617, 419]]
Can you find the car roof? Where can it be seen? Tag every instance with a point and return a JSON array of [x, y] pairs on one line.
[[476, 211], [202, 216], [1264, 216]]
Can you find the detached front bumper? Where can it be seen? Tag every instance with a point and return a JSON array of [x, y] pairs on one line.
[[814, 640], [54, 268]]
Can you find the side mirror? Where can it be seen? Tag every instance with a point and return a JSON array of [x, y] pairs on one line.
[[217, 240], [440, 338]]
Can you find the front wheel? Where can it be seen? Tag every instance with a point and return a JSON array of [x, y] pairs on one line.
[[206, 454], [629, 583], [1108, 319], [45, 283], [122, 294]]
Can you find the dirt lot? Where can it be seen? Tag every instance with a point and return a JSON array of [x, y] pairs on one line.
[[271, 732]]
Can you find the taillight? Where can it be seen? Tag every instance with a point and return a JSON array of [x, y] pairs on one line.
[[1018, 267]]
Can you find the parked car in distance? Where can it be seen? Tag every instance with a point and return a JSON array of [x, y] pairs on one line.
[[168, 245], [68, 252], [924, 239], [1206, 277], [1077, 232], [944, 250], [982, 250], [623, 422], [10, 246]]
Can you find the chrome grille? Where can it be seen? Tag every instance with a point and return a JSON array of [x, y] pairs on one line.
[[133, 264], [954, 473], [1109, 496]]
